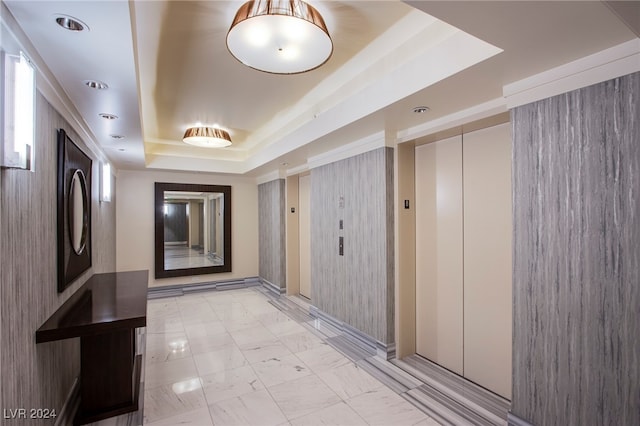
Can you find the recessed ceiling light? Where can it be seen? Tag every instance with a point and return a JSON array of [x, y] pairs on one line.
[[121, 149], [70, 23], [117, 136], [95, 84], [108, 116], [421, 109]]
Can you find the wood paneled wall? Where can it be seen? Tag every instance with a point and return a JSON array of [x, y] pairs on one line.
[[41, 376], [272, 235], [576, 263], [356, 288]]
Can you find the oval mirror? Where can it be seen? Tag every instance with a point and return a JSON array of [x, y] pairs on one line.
[[78, 218]]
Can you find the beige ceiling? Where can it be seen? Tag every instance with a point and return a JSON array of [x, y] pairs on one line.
[[168, 67]]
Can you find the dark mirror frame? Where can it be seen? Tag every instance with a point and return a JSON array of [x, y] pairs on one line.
[[71, 158], [160, 188]]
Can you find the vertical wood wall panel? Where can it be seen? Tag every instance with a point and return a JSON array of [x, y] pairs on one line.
[[487, 258], [356, 288], [272, 235], [439, 249], [40, 376], [576, 258]]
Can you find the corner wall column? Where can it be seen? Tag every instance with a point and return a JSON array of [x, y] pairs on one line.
[[576, 257]]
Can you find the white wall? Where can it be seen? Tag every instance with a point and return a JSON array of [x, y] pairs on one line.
[[135, 223]]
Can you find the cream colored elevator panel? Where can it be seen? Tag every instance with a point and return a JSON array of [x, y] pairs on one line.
[[439, 267], [304, 203], [487, 258]]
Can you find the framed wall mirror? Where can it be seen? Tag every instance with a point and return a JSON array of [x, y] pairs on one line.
[[73, 211], [192, 229]]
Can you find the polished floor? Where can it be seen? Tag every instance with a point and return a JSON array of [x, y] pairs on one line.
[[181, 257], [232, 358]]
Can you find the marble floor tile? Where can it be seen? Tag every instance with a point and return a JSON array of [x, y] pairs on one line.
[[259, 307], [322, 358], [199, 345], [224, 358], [299, 342], [285, 328], [190, 299], [251, 335], [230, 384], [349, 380], [165, 324], [279, 370], [264, 350], [231, 311], [272, 318], [194, 305], [169, 400], [240, 324], [220, 298], [174, 371], [198, 318], [302, 396], [162, 307], [255, 408], [199, 417], [232, 357], [164, 347], [203, 329], [383, 407], [337, 414]]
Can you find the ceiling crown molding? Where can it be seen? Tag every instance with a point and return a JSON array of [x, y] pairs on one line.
[[610, 63]]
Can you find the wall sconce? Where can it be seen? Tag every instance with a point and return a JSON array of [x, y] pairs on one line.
[[105, 183], [18, 104]]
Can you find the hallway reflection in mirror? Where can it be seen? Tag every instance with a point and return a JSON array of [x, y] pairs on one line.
[[193, 229]]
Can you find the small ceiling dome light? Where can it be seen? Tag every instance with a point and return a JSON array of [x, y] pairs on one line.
[[279, 36], [421, 109], [70, 23], [108, 116], [208, 137], [95, 84], [117, 136]]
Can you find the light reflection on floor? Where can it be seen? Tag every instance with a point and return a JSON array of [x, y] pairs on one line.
[[180, 257]]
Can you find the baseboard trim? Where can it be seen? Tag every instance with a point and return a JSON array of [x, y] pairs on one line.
[[273, 288], [513, 420], [182, 289], [360, 339], [70, 406]]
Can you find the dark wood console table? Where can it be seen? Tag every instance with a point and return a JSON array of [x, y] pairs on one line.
[[105, 313]]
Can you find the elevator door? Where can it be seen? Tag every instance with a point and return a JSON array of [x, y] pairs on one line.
[[304, 217], [439, 268], [463, 255]]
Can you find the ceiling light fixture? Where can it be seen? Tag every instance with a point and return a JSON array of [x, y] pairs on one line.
[[279, 36], [70, 23], [208, 137], [421, 109], [95, 84], [107, 116], [117, 136]]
